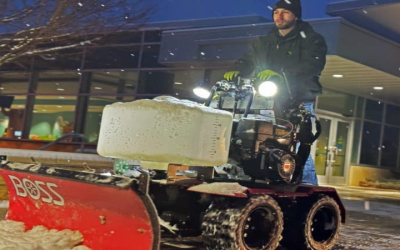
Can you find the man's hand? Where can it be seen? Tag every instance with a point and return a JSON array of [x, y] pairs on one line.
[[231, 74], [268, 74]]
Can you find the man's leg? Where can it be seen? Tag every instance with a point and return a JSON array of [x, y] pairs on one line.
[[309, 175]]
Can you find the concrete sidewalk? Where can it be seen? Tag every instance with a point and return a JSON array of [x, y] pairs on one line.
[[3, 209], [367, 192]]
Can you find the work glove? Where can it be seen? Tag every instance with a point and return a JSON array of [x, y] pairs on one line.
[[268, 75], [231, 74]]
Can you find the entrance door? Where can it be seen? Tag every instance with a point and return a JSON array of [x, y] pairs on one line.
[[332, 152]]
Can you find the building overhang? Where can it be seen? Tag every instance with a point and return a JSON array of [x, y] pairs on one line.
[[378, 16], [365, 59]]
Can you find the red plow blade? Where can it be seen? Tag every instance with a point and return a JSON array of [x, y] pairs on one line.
[[112, 213]]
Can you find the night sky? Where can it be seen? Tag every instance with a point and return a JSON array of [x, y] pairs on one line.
[[197, 9]]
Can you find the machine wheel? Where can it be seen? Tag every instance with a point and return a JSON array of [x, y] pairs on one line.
[[257, 224], [318, 228]]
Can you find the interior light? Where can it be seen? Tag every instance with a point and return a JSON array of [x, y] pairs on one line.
[[178, 83], [378, 88], [98, 88], [338, 76], [60, 89]]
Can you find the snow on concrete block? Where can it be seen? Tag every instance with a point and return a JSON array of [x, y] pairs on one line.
[[165, 130]]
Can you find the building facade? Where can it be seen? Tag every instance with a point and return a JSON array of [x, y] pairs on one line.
[[66, 91]]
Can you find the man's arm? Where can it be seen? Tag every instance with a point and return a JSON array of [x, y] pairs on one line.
[[313, 58]]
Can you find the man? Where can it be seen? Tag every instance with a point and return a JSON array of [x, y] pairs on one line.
[[292, 51]]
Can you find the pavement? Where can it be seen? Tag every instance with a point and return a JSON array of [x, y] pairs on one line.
[[370, 222], [369, 192]]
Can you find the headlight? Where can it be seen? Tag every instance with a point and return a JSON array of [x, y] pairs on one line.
[[267, 89], [201, 92]]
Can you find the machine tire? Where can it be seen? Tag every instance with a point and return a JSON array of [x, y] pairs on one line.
[[318, 228], [257, 224]]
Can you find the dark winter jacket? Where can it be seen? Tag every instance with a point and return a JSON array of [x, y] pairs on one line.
[[301, 55]]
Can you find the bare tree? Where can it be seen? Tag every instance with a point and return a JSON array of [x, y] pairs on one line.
[[40, 27]]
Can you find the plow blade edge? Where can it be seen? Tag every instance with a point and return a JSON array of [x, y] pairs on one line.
[[110, 212]]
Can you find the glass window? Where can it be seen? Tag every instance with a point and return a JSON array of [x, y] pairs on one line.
[[179, 84], [122, 38], [337, 102], [150, 57], [53, 117], [374, 110], [216, 75], [12, 83], [61, 59], [22, 64], [114, 83], [12, 119], [360, 107], [322, 146], [153, 36], [370, 143], [390, 147], [218, 51], [356, 142], [392, 115], [115, 57], [58, 82], [94, 114]]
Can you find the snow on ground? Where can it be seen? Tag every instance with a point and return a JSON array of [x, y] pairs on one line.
[[13, 236]]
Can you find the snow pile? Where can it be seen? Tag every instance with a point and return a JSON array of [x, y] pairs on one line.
[[14, 236], [165, 130], [222, 188]]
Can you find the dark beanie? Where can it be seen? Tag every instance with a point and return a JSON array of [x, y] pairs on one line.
[[292, 5]]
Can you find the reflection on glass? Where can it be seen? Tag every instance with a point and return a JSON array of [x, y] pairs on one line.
[[59, 82], [341, 144], [12, 83], [94, 114], [322, 147], [52, 117], [114, 82], [12, 119], [390, 147]]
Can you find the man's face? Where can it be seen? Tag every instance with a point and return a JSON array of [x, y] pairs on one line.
[[284, 19]]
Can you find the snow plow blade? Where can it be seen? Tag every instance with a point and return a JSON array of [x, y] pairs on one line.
[[110, 212]]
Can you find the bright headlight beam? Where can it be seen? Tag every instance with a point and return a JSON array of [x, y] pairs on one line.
[[268, 89], [201, 92]]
